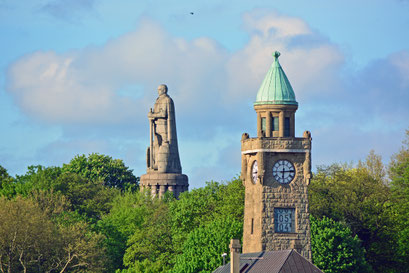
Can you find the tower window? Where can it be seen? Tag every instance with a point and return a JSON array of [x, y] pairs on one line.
[[263, 124], [274, 123], [252, 225], [287, 127]]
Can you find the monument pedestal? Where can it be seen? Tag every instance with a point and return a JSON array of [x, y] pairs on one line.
[[159, 183]]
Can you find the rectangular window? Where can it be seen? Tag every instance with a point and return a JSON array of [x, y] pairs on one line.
[[252, 225], [274, 123], [263, 124], [284, 220], [287, 127]]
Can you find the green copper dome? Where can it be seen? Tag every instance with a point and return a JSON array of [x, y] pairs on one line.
[[275, 89]]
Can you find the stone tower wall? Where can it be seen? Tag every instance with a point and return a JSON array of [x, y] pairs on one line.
[[261, 198]]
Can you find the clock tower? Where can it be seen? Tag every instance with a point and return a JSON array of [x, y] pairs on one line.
[[276, 172]]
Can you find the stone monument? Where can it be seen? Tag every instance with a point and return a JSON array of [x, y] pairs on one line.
[[276, 172], [164, 172]]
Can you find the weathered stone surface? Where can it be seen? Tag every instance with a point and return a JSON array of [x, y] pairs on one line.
[[280, 157], [159, 183], [262, 197], [250, 144], [164, 171], [163, 150]]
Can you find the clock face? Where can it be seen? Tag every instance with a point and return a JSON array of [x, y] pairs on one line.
[[283, 171], [254, 171]]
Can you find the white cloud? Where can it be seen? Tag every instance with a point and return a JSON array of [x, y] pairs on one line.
[[371, 112], [212, 89], [309, 61], [49, 87], [84, 85]]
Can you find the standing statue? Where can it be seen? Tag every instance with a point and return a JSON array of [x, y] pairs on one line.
[[164, 171], [163, 154]]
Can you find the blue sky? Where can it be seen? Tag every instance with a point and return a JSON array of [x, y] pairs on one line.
[[79, 76]]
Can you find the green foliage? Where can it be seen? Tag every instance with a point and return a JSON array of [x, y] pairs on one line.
[[96, 167], [345, 193], [374, 165], [399, 175], [203, 205], [37, 178], [87, 197], [89, 217], [204, 246], [231, 200], [335, 249], [360, 198], [31, 242], [128, 213], [144, 266], [3, 173], [53, 204], [150, 248], [80, 249], [194, 208], [6, 183], [24, 236], [149, 232]]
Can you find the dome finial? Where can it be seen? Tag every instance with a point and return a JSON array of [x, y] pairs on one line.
[[276, 55]]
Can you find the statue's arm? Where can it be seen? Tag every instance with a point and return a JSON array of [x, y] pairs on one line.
[[159, 114]]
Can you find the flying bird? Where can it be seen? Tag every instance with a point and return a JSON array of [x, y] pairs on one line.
[[191, 13]]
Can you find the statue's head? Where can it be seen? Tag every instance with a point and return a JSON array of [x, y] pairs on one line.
[[162, 89]]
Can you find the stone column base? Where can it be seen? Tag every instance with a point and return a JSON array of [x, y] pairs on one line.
[[159, 183]]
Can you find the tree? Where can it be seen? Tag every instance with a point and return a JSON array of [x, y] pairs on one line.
[[230, 198], [335, 249], [31, 242], [81, 249], [203, 205], [355, 197], [36, 178], [3, 174], [96, 167], [204, 246], [7, 187], [87, 197], [129, 212], [399, 175], [375, 167], [149, 232], [150, 248], [53, 204], [26, 236]]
